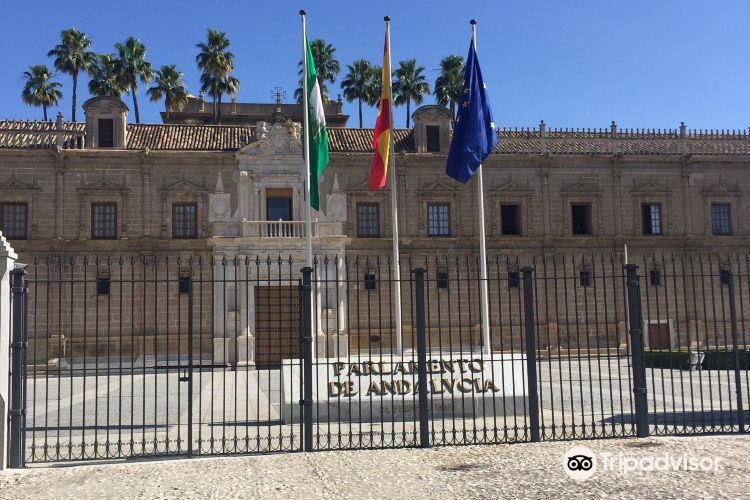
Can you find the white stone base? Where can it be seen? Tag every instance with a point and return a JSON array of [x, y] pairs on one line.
[[223, 350], [246, 352], [461, 387]]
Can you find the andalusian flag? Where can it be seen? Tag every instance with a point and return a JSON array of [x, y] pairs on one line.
[[318, 139], [381, 140]]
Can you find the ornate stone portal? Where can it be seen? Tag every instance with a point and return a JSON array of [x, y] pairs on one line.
[[270, 163]]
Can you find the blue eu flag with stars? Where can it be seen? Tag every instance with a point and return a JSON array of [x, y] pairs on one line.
[[474, 135]]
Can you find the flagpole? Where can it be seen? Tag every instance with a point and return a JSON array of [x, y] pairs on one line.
[[306, 146], [482, 240], [394, 205]]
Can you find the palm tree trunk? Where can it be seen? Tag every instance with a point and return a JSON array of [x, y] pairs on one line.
[[75, 86], [408, 103], [44, 107], [453, 113], [218, 110], [360, 113], [134, 90], [166, 109]]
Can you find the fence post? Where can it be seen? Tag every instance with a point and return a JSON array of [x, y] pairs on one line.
[[736, 348], [7, 260], [528, 311], [424, 430], [307, 360], [190, 369], [635, 316], [18, 371]]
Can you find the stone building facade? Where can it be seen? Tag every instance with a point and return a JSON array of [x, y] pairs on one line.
[[214, 195]]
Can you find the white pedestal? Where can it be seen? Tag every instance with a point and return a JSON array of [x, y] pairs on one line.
[[246, 351]]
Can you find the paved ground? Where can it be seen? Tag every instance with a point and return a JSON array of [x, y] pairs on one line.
[[494, 471], [240, 411]]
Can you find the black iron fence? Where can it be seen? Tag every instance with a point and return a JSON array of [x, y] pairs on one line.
[[193, 355]]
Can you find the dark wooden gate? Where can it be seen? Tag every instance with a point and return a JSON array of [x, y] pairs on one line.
[[276, 324]]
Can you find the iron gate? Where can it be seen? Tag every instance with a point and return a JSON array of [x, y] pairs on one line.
[[154, 355]]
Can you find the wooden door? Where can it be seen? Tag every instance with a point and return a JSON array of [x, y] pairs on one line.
[[277, 326], [658, 336]]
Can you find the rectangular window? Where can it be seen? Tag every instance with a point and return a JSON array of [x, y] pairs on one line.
[[104, 221], [370, 283], [279, 204], [433, 138], [14, 220], [510, 217], [655, 277], [513, 280], [442, 280], [720, 220], [368, 220], [651, 219], [581, 215], [183, 285], [724, 276], [585, 278], [438, 219], [106, 133], [102, 286], [184, 220]]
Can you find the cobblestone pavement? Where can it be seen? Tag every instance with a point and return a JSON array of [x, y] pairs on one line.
[[498, 471]]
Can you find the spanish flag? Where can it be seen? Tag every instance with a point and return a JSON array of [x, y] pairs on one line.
[[381, 140]]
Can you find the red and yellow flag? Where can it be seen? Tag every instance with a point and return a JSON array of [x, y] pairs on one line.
[[381, 140]]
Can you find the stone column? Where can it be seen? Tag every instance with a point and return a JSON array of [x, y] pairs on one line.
[[342, 336], [7, 260]]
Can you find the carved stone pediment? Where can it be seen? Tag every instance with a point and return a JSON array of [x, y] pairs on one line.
[[438, 189], [103, 185], [651, 188], [721, 189], [275, 138], [184, 187], [363, 189], [511, 189], [581, 188], [13, 185]]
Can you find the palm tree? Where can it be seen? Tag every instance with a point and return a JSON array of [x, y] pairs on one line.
[[326, 67], [374, 89], [169, 85], [215, 62], [450, 82], [38, 89], [410, 85], [73, 55], [132, 66], [105, 78], [357, 83]]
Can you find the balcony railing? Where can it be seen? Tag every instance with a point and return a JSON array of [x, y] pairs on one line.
[[277, 229]]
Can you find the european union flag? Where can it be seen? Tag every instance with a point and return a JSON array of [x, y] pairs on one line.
[[474, 135]]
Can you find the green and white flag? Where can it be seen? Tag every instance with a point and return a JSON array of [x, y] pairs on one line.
[[318, 139]]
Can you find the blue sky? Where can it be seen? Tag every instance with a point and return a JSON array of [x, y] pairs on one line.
[[573, 64]]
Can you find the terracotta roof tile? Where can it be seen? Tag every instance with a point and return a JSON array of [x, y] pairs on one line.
[[43, 135], [39, 134], [187, 137], [359, 140]]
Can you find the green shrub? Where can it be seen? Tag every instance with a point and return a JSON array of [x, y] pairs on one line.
[[715, 359]]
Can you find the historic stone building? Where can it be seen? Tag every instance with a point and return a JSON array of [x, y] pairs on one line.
[[218, 194]]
